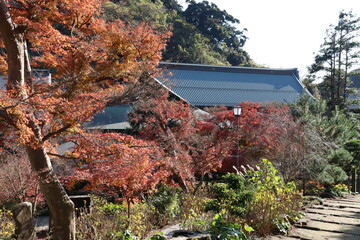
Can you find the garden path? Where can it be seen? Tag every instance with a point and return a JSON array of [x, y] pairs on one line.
[[335, 219]]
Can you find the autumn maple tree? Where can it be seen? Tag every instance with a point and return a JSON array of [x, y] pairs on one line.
[[169, 124], [93, 62], [192, 145], [261, 129], [118, 165]]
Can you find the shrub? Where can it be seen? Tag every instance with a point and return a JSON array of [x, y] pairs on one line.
[[221, 229], [193, 215], [275, 202], [341, 157], [158, 236], [166, 201], [314, 188], [100, 223], [7, 226], [230, 196], [142, 219], [271, 212], [341, 188], [332, 191], [259, 198], [110, 221], [112, 208], [332, 174]]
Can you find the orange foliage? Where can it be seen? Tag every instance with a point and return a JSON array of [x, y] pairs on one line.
[[117, 163], [191, 146], [90, 58], [92, 62], [261, 129]]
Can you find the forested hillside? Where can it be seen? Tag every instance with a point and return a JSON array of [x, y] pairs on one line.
[[201, 33]]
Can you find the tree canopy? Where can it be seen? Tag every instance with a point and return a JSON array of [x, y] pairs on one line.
[[93, 62], [202, 33], [219, 27], [337, 55]]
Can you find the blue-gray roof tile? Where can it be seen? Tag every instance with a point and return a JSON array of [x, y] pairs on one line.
[[206, 85]]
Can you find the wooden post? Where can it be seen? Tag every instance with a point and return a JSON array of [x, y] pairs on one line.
[[353, 179]]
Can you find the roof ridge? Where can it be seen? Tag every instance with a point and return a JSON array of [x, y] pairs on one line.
[[197, 65]]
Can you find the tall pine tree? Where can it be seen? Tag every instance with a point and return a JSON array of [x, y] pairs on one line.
[[336, 56]]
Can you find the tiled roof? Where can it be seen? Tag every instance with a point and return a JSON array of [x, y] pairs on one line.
[[207, 85], [113, 117]]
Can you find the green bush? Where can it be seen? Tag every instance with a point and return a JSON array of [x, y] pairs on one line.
[[112, 208], [332, 175], [259, 198], [110, 221], [341, 157], [231, 196], [221, 229], [353, 146], [193, 215], [166, 201], [275, 202], [341, 188], [338, 190], [127, 235], [158, 236]]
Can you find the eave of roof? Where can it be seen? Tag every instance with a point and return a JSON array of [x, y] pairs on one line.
[[112, 126]]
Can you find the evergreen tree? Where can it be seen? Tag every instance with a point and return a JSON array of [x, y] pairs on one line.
[[337, 55], [202, 33], [152, 12], [326, 135], [172, 5], [218, 26], [188, 45]]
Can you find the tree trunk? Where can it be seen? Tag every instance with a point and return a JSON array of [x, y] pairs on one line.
[[61, 207], [346, 74], [340, 62], [332, 79], [14, 44]]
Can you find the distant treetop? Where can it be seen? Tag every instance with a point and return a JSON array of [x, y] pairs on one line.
[[202, 33]]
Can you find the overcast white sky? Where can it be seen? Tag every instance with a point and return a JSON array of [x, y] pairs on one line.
[[285, 33]]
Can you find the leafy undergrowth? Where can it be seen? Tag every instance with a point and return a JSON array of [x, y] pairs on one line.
[[255, 203], [7, 227], [259, 198], [252, 204]]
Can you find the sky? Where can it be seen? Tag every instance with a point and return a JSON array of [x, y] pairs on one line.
[[285, 33]]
